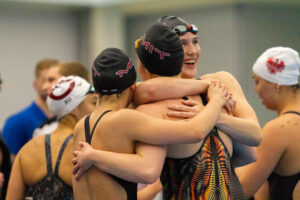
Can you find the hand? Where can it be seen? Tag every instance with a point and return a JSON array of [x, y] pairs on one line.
[[187, 110], [218, 92], [230, 105], [81, 160]]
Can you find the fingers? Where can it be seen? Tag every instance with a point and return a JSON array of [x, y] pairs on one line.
[[182, 108], [81, 144], [184, 115], [190, 102], [74, 161], [78, 174], [75, 169], [75, 153]]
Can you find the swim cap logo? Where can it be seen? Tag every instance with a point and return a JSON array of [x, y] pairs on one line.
[[96, 73], [275, 65], [64, 94], [128, 67], [150, 47]]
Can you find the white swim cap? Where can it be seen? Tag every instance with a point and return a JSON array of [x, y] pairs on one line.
[[278, 65], [67, 94]]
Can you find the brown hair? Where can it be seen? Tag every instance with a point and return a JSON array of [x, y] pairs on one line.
[[44, 64], [73, 68]]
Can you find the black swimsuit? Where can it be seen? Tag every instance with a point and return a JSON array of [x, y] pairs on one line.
[[205, 175], [282, 187], [52, 187], [130, 187]]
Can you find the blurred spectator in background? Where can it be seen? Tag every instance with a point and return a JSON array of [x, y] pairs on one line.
[[54, 73], [19, 127]]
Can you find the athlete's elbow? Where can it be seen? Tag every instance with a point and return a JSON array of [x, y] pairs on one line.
[[150, 176], [197, 135], [257, 138]]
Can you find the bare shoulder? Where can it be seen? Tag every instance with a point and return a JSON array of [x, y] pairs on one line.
[[220, 75], [276, 128], [285, 124], [275, 133], [80, 124], [28, 153], [78, 129], [125, 116], [228, 79], [33, 144]]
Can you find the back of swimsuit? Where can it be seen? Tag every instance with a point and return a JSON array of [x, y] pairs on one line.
[[129, 187]]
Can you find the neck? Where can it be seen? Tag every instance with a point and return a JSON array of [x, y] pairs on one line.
[[66, 125], [43, 106], [289, 101], [114, 102]]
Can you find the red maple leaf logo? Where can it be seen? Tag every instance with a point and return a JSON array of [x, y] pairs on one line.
[[275, 65]]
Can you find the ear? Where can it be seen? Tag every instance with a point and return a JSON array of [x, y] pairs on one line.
[[132, 87], [143, 72], [277, 87]]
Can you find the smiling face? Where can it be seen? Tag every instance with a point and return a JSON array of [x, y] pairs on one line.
[[266, 91], [192, 53]]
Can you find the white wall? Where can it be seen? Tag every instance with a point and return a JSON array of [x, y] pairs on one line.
[[28, 35]]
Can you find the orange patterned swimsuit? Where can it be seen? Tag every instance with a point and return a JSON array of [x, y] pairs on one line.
[[206, 175]]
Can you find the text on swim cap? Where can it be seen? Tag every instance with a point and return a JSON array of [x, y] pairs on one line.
[[150, 47], [96, 73], [128, 67]]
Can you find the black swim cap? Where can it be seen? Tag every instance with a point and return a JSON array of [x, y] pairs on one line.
[[173, 21], [113, 72], [161, 51]]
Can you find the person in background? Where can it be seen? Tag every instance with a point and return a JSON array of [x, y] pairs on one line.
[[54, 73], [18, 128], [49, 172], [276, 75], [5, 164]]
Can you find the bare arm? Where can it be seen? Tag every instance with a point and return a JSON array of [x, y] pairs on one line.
[[242, 154], [244, 119], [141, 127], [269, 153], [243, 125], [16, 185], [143, 167], [150, 191], [162, 88]]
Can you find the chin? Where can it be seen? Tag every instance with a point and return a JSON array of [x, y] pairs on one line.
[[189, 73]]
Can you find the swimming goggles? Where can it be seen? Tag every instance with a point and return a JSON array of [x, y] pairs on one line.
[[181, 29]]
